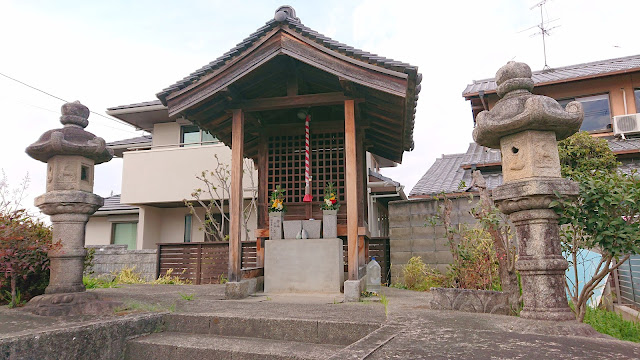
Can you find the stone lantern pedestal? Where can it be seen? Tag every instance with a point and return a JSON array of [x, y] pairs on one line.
[[70, 154], [526, 128]]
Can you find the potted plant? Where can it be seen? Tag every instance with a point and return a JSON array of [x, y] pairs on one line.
[[330, 206], [276, 213]]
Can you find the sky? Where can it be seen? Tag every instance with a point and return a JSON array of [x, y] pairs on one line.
[[111, 53]]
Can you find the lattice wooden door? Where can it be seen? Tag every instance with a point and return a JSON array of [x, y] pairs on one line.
[[285, 164]]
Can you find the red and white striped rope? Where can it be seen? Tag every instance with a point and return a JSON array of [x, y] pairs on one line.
[[306, 155]]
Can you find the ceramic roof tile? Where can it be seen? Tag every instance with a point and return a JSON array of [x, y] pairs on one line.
[[601, 67], [112, 203]]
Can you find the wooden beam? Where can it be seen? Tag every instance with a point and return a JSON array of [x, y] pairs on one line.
[[289, 102], [352, 187], [236, 198]]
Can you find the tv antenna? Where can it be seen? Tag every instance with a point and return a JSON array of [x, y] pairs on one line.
[[544, 30]]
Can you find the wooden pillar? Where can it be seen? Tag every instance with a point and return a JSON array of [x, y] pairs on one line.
[[236, 196], [352, 187]]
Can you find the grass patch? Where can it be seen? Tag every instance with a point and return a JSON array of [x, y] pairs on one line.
[[611, 323], [385, 301], [188, 297], [98, 283], [129, 275]]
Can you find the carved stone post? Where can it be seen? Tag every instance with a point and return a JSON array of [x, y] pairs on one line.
[[526, 127], [70, 154]]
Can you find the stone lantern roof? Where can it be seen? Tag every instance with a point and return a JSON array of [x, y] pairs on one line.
[[520, 110], [72, 139]]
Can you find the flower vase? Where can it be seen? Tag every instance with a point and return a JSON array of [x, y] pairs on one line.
[[330, 224], [275, 225]]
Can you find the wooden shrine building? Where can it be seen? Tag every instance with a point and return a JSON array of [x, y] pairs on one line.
[[249, 98]]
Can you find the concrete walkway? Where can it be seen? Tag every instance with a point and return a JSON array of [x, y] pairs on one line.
[[421, 333]]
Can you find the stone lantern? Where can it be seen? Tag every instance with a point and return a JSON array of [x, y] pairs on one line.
[[71, 154], [526, 128]]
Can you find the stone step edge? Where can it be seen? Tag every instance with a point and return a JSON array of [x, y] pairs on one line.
[[306, 331], [166, 342], [366, 346]]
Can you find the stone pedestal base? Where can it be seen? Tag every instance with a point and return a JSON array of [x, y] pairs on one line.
[[543, 288], [69, 304], [540, 262], [298, 266]]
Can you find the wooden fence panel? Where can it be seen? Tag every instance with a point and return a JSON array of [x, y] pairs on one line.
[[379, 248], [201, 263]]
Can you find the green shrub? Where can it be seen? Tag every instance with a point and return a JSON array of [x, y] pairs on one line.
[[24, 264], [414, 272]]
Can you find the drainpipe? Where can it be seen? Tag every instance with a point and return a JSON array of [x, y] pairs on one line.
[[624, 99]]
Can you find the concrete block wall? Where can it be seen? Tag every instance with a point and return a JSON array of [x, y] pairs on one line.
[[109, 259], [411, 235]]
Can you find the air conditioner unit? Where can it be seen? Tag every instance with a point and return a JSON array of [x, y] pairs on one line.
[[626, 124]]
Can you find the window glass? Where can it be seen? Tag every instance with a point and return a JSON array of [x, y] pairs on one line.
[[208, 138], [190, 135], [187, 228], [597, 115], [636, 94], [125, 234]]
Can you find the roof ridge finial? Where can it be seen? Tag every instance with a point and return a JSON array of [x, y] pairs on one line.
[[284, 12]]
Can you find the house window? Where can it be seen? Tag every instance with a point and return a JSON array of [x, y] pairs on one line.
[[124, 234], [187, 227], [191, 135], [597, 113], [636, 94]]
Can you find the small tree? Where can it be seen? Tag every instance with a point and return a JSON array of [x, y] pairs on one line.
[[24, 243], [214, 198], [604, 217], [496, 224]]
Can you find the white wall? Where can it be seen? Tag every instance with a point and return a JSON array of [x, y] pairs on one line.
[[166, 134], [166, 225], [98, 231], [169, 174]]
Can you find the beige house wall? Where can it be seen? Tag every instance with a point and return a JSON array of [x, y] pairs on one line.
[[155, 225], [98, 231], [167, 175], [166, 134]]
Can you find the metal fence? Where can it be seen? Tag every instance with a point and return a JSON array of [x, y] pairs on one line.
[[629, 281]]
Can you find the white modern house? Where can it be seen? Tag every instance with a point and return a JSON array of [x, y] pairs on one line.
[[159, 172]]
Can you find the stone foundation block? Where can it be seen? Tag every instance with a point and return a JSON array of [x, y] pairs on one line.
[[312, 227], [475, 301], [235, 290], [352, 290], [291, 228], [70, 304]]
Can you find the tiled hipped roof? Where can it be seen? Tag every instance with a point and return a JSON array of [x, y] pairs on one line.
[[578, 71], [112, 203], [295, 25], [452, 173]]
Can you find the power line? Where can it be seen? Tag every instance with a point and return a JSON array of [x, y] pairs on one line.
[[61, 99]]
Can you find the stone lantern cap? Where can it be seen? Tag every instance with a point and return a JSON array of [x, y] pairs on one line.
[[519, 110], [72, 139]]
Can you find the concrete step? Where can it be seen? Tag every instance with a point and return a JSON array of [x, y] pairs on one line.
[[287, 329], [176, 345]]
